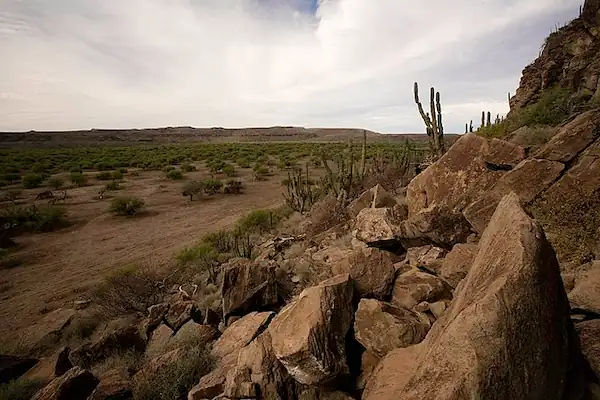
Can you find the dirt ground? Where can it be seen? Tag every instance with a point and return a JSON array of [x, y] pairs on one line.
[[59, 267]]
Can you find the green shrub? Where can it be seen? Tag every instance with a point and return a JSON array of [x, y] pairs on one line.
[[40, 168], [188, 167], [114, 185], [168, 168], [221, 241], [203, 256], [243, 163], [116, 175], [175, 380], [104, 176], [20, 389], [552, 108], [233, 186], [260, 172], [258, 221], [126, 206], [192, 188], [229, 170], [31, 181], [212, 186], [10, 177], [216, 166], [55, 183], [17, 220], [175, 175], [78, 179]]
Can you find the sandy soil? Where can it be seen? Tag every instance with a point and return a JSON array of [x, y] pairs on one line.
[[61, 266]]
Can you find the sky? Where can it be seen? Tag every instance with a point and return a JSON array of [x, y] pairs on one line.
[[81, 64]]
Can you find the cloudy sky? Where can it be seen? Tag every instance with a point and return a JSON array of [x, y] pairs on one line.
[[79, 64]]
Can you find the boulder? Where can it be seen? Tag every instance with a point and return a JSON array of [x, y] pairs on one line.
[[382, 327], [372, 271], [213, 384], [589, 338], [507, 333], [377, 226], [76, 384], [528, 179], [114, 385], [13, 367], [159, 339], [111, 342], [425, 256], [156, 314], [434, 225], [62, 364], [438, 308], [179, 313], [457, 263], [239, 385], [248, 286], [463, 174], [308, 336], [572, 138], [194, 334], [368, 362], [376, 197], [586, 292], [414, 287], [47, 332], [240, 333]]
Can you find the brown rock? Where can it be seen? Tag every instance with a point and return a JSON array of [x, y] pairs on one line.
[[424, 256], [211, 317], [308, 335], [114, 385], [414, 287], [316, 393], [213, 384], [376, 197], [179, 313], [159, 339], [46, 333], [382, 327], [368, 362], [462, 175], [586, 292], [62, 364], [248, 286], [572, 138], [239, 384], [435, 224], [513, 294], [438, 308], [527, 180], [372, 271], [376, 225], [457, 263], [194, 334], [76, 384], [240, 333], [589, 337], [156, 314]]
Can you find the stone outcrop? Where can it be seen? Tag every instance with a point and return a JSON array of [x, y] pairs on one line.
[[377, 226], [457, 263], [47, 333], [376, 197], [382, 327], [308, 336], [248, 286], [76, 384], [180, 313], [510, 316], [414, 287], [114, 385], [589, 338]]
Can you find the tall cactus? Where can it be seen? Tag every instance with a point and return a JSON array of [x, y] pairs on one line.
[[489, 118], [433, 120], [363, 156], [482, 119], [471, 127]]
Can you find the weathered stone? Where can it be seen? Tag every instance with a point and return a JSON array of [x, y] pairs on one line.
[[457, 263], [111, 342], [377, 225], [240, 333], [159, 339], [424, 256], [572, 138], [179, 313], [239, 384], [513, 294], [589, 338], [382, 327], [438, 308], [463, 174], [114, 385], [527, 180], [586, 292], [62, 364], [213, 384], [47, 333], [317, 393], [13, 367], [414, 287], [376, 197], [193, 333], [76, 384], [368, 362], [248, 286], [372, 271], [308, 335], [438, 225]]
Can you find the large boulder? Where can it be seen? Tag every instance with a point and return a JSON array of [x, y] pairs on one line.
[[159, 339], [114, 385], [457, 263], [507, 334], [248, 286], [527, 180], [468, 169], [76, 384], [240, 333], [437, 224], [372, 271], [586, 292], [382, 327], [308, 336], [376, 197], [414, 287], [48, 332], [377, 226], [180, 313]]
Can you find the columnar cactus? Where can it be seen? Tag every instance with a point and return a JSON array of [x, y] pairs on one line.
[[433, 123]]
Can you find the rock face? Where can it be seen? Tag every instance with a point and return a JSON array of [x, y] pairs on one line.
[[463, 174], [382, 327], [47, 332], [589, 337], [372, 271], [248, 286], [179, 313], [159, 338], [376, 197], [510, 316], [308, 335], [114, 385], [377, 225], [425, 256], [586, 292], [414, 287], [457, 263], [76, 384]]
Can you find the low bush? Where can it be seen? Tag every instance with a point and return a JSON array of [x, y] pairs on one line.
[[192, 188], [126, 206], [31, 181], [203, 256], [260, 172], [219, 240], [78, 179], [243, 163], [258, 221], [18, 220], [229, 170], [114, 185], [55, 183], [168, 168], [188, 167], [212, 186], [10, 177], [233, 186], [116, 175], [21, 389], [175, 175], [104, 176]]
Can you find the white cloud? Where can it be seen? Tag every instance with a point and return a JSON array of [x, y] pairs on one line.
[[78, 64]]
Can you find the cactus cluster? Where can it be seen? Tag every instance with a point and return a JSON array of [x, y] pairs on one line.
[[301, 191], [433, 121]]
